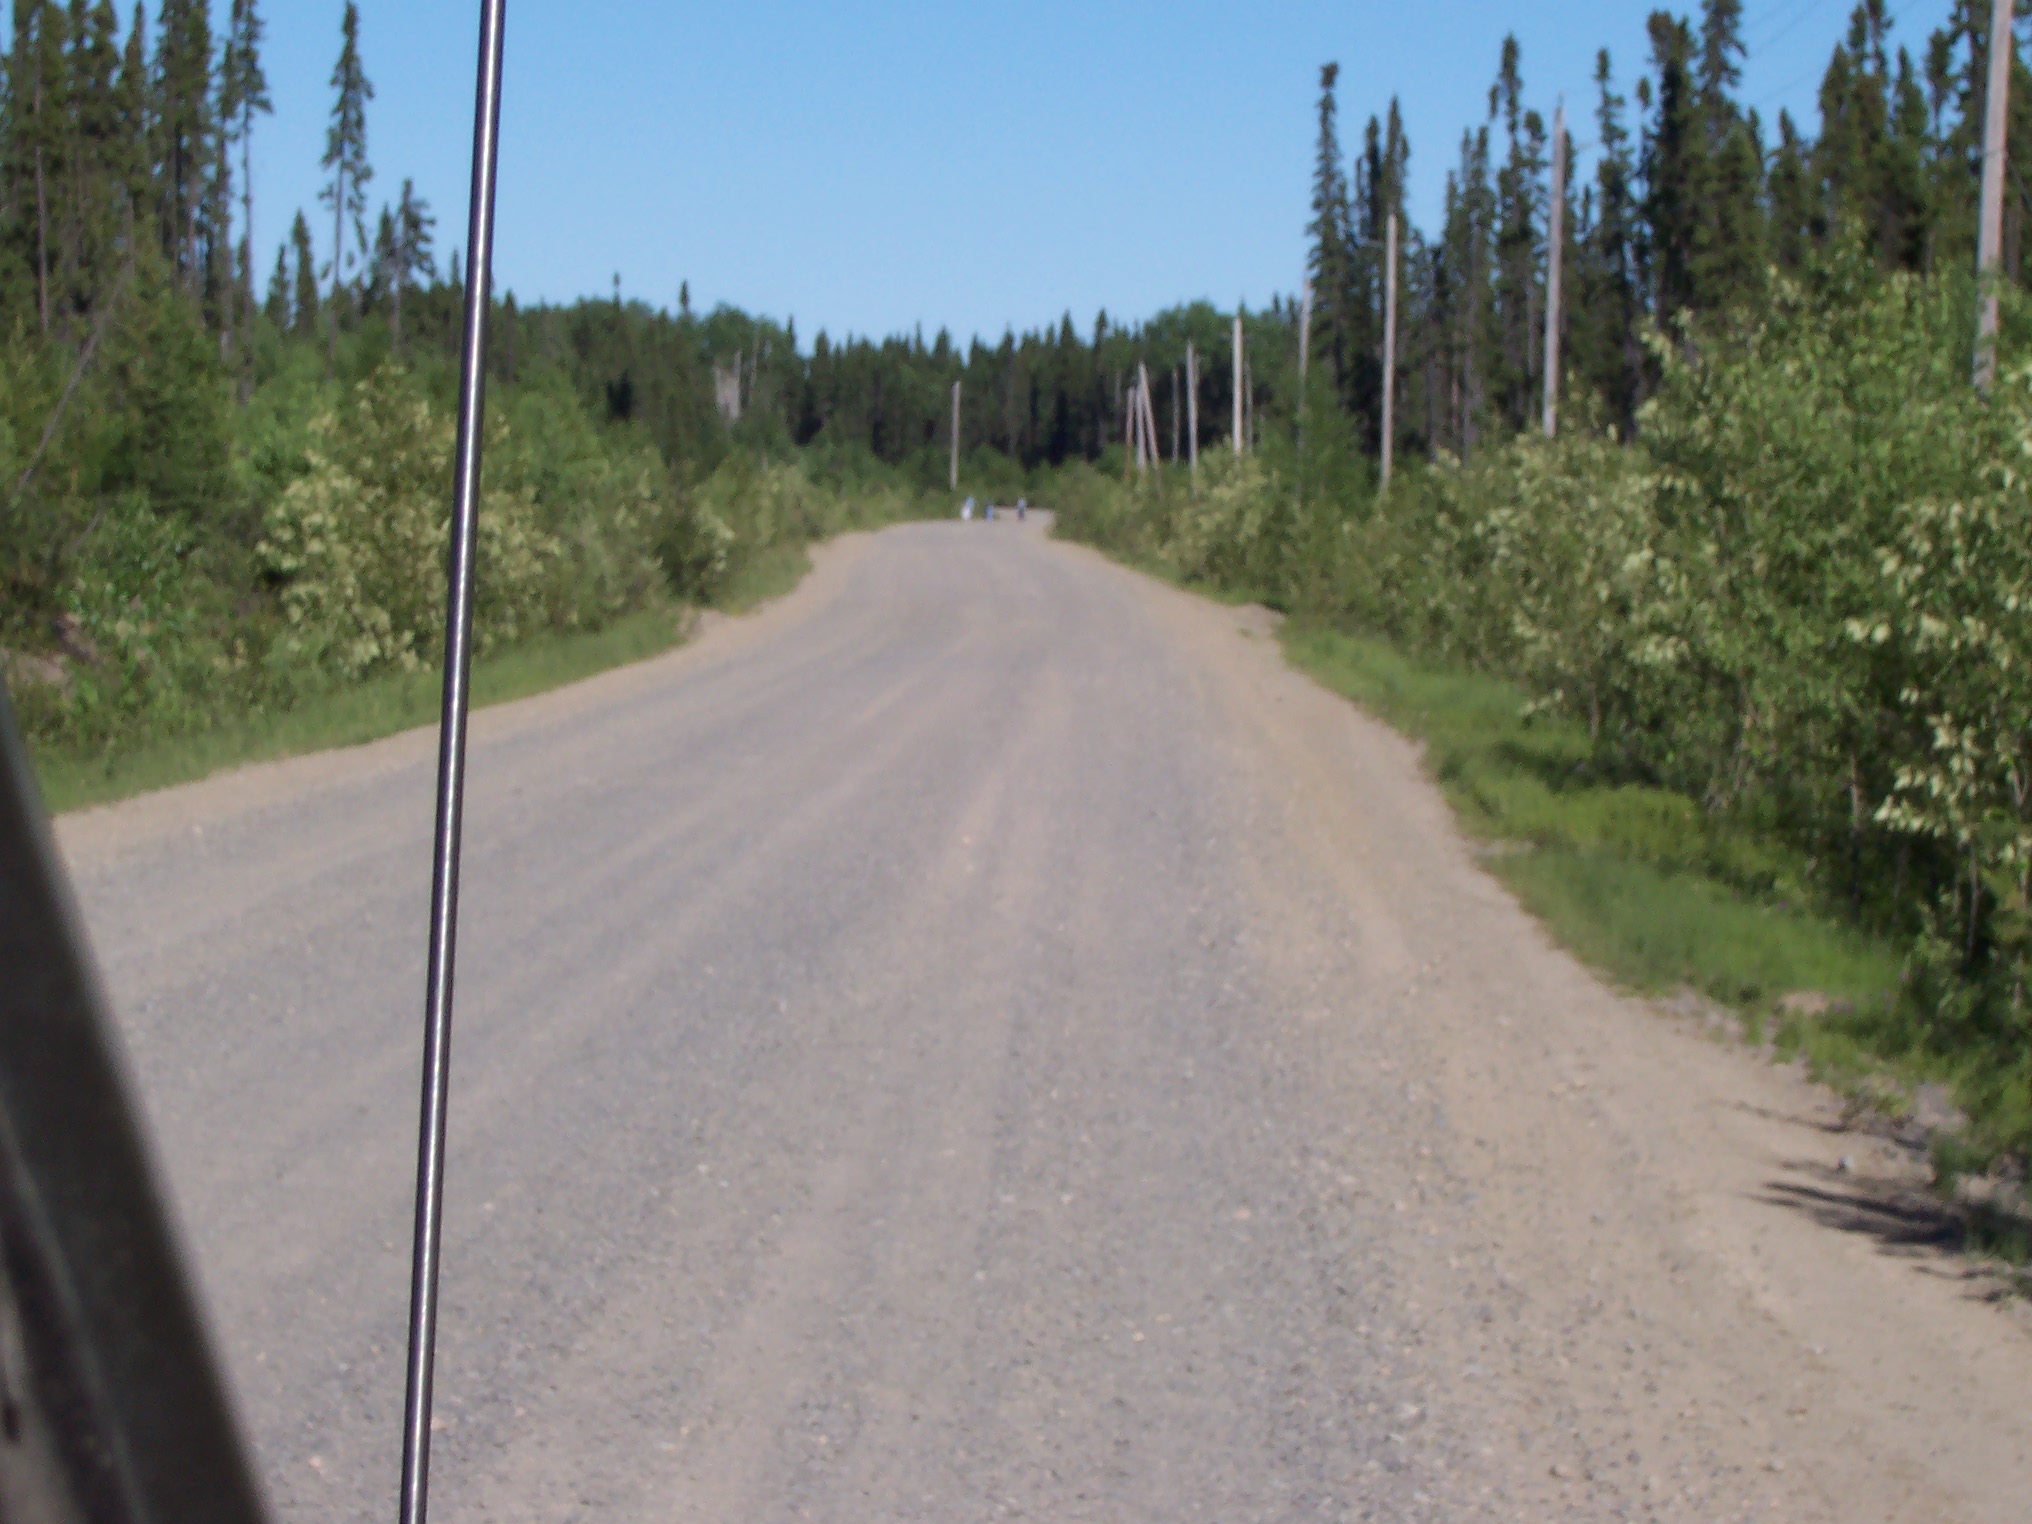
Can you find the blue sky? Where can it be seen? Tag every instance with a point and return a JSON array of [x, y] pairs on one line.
[[869, 168]]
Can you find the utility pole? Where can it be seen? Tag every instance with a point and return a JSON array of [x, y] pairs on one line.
[[1990, 238], [1149, 415], [1132, 434], [1136, 422], [953, 476], [1304, 338], [1174, 415], [1389, 346], [1238, 382], [1556, 234], [1249, 407], [1304, 345], [1192, 412]]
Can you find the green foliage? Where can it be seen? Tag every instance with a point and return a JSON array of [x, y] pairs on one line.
[[343, 716], [359, 542], [1777, 653]]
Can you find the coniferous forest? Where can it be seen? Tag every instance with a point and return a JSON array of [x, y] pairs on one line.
[[1765, 597]]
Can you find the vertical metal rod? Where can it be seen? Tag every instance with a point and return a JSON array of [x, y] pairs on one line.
[[1192, 412], [1990, 231], [451, 776], [954, 475]]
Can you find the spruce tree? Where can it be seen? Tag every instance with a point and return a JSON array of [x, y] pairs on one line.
[[1608, 306], [346, 157], [1328, 253], [1727, 255], [277, 305], [1798, 210], [133, 111], [187, 139], [1513, 360], [1674, 169], [97, 155], [39, 138], [410, 232], [243, 95], [305, 301]]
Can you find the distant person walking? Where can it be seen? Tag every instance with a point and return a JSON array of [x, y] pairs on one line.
[[1022, 509], [967, 511]]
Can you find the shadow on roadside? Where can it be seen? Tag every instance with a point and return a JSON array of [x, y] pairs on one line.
[[1906, 1221]]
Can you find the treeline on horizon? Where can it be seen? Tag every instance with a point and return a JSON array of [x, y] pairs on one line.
[[1682, 204]]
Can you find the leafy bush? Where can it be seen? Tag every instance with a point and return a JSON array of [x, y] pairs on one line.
[[359, 542], [1799, 605]]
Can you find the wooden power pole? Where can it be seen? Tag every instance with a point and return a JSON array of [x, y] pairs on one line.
[[1304, 339], [1174, 415], [955, 472], [1149, 415], [1389, 346], [1192, 412], [1304, 348], [1132, 426], [1238, 383], [1990, 237], [1556, 243]]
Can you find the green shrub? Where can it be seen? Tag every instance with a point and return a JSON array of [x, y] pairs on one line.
[[359, 542]]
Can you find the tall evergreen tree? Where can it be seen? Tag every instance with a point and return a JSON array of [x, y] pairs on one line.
[[134, 113], [1798, 212], [1674, 169], [305, 299], [243, 95], [278, 303], [409, 250], [39, 137], [346, 156], [1514, 349], [96, 156], [187, 138], [1608, 306], [1328, 259], [1726, 260]]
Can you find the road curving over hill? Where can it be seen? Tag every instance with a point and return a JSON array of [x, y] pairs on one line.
[[982, 1038]]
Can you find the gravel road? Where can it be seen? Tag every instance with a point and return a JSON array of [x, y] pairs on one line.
[[980, 1039]]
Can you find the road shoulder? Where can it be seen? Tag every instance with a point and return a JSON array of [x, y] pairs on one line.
[[1682, 1295], [99, 834]]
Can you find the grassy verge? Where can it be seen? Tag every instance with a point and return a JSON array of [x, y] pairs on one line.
[[1638, 881], [768, 574], [382, 706], [366, 711]]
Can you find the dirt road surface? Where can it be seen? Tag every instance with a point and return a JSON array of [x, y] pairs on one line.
[[982, 1039]]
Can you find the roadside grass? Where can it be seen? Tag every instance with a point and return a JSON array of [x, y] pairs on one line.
[[1636, 880], [767, 574], [1648, 888], [349, 716], [382, 706]]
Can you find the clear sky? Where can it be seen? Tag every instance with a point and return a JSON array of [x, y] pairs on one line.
[[866, 168]]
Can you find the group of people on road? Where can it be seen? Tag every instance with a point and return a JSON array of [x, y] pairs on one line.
[[967, 510]]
